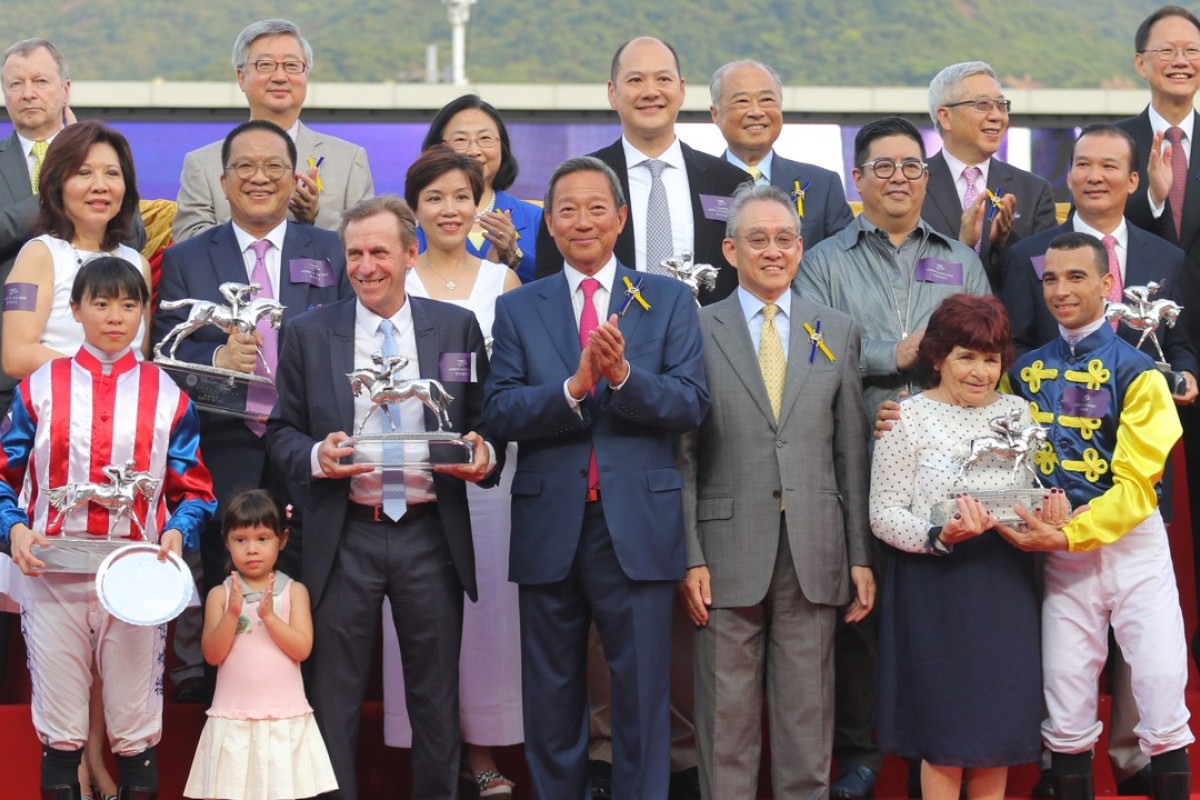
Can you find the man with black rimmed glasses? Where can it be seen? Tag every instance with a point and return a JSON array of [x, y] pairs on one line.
[[273, 62], [888, 269], [969, 110]]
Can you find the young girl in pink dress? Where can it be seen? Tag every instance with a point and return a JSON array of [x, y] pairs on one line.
[[261, 741]]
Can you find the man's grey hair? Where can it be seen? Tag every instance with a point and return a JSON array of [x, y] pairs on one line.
[[718, 78], [584, 164], [944, 88], [27, 47], [268, 27], [750, 192]]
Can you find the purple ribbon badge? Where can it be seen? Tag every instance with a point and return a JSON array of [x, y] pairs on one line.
[[313, 271]]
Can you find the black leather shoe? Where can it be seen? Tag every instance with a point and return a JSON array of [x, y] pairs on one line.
[[855, 783], [192, 690], [1136, 785], [601, 780], [685, 785], [1044, 788]]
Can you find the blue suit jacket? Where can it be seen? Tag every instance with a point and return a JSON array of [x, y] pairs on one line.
[[1150, 258], [315, 400], [195, 269], [633, 430], [825, 208]]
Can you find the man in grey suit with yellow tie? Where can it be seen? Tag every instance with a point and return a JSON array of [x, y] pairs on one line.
[[273, 62], [775, 501]]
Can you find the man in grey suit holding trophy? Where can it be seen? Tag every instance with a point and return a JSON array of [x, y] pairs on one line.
[[776, 481]]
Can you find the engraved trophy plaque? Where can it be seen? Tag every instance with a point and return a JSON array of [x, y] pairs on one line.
[[1011, 443], [213, 389], [694, 276], [1144, 313], [386, 444], [83, 553]]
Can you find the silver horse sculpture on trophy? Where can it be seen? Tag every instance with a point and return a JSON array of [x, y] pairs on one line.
[[239, 316], [118, 495], [1145, 314], [384, 389], [693, 275], [1013, 442]]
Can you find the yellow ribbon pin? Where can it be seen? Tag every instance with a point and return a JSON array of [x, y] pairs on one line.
[[798, 196], [314, 164], [818, 341], [634, 292]]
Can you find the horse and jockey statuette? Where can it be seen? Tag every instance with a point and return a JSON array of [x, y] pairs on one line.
[[694, 276], [1143, 313]]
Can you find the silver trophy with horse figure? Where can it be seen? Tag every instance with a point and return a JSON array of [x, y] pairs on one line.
[[1011, 442], [212, 388], [1144, 313], [694, 276], [83, 553], [386, 443]]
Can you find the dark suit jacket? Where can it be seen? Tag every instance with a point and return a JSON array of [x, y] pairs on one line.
[[315, 400], [825, 208], [195, 269], [1137, 211], [1035, 208], [706, 175], [1149, 259], [536, 348]]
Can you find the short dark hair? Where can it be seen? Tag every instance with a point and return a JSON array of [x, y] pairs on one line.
[[1080, 241], [258, 125], [880, 129], [111, 278], [583, 164], [1109, 129], [406, 221], [433, 164], [66, 154], [251, 508], [976, 322], [506, 173], [1143, 31], [616, 59]]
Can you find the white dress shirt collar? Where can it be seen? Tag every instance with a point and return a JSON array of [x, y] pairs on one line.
[[752, 306], [606, 275], [673, 155], [1159, 124]]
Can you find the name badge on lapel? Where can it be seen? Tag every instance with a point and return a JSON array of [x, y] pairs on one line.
[[457, 368], [316, 272], [716, 207], [935, 270]]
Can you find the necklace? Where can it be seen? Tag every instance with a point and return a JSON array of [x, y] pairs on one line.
[[79, 258], [491, 203], [451, 283]]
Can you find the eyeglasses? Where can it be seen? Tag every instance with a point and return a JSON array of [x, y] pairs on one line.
[[1169, 53], [266, 66], [461, 143], [984, 105], [245, 170], [759, 241], [885, 168]]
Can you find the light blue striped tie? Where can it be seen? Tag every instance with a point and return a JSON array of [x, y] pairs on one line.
[[394, 504]]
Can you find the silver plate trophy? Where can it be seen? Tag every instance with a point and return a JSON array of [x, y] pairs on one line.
[[694, 276], [135, 587], [84, 554], [221, 391], [386, 447], [1145, 314], [1011, 443]]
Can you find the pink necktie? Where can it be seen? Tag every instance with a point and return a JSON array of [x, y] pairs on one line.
[[259, 398], [972, 175], [588, 322], [1114, 269], [1178, 176]]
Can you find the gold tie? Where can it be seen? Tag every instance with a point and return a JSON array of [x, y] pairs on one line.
[[771, 359], [755, 172], [39, 155]]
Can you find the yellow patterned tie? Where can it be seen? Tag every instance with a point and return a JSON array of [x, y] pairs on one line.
[[755, 172], [771, 359], [39, 155]]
